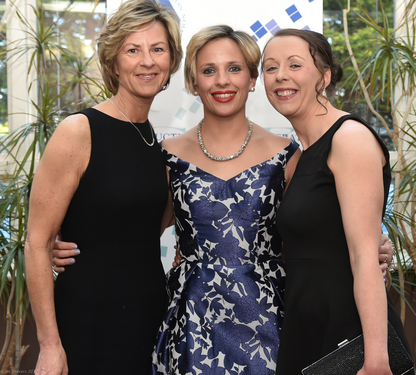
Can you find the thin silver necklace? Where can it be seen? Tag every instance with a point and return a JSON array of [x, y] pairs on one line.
[[221, 158], [134, 126]]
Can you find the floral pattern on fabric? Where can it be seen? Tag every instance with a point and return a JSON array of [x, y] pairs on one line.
[[226, 296]]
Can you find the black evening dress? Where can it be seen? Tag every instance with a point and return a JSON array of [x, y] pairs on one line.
[[320, 309], [109, 305]]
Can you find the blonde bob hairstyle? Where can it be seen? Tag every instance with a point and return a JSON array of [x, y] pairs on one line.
[[245, 43], [130, 16]]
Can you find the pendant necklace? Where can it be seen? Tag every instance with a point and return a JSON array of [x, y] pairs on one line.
[[221, 158], [134, 126]]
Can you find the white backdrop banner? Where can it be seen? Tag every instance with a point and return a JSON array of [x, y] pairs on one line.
[[174, 111]]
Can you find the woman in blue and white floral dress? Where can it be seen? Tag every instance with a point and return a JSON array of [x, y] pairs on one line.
[[226, 295]]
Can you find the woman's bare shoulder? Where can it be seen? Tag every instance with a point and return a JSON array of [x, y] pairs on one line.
[[353, 135], [74, 125], [180, 142], [269, 139], [71, 141]]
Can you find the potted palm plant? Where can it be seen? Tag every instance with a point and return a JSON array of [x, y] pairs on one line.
[[46, 49], [388, 74]]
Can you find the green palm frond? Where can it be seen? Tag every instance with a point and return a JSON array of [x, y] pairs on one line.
[[42, 46], [387, 75]]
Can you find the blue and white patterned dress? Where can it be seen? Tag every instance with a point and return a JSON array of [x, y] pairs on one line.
[[226, 296]]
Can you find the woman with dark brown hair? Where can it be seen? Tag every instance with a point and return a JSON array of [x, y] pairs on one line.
[[331, 215]]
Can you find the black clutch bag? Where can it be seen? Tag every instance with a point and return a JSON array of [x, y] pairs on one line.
[[348, 359]]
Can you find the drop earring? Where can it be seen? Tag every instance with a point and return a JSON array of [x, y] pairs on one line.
[[324, 92]]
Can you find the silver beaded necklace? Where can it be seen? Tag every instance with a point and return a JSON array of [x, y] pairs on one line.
[[221, 158], [134, 126]]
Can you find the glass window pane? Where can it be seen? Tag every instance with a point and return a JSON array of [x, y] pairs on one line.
[[79, 24], [362, 39]]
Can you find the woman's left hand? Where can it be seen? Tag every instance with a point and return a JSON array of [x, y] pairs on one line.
[[62, 255], [386, 252], [177, 258]]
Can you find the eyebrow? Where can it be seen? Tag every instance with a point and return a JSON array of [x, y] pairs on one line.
[[228, 63], [138, 45], [297, 56], [291, 56]]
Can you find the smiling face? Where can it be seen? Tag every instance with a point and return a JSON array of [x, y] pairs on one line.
[[143, 63], [290, 77], [222, 78]]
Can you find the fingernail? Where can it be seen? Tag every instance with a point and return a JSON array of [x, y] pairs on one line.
[[77, 252], [71, 261], [75, 246]]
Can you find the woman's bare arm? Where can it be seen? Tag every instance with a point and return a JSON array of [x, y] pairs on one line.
[[356, 161], [56, 180]]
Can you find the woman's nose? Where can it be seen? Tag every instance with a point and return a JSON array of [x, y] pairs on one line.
[[147, 59]]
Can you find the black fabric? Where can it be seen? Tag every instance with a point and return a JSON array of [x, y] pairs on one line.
[[320, 309], [110, 304]]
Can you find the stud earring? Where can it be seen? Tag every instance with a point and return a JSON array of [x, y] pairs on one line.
[[252, 89]]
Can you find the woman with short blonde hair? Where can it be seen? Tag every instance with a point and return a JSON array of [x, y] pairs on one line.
[[101, 317], [129, 17], [246, 44]]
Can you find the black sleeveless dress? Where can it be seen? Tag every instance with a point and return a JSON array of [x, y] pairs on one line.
[[320, 309], [110, 304]]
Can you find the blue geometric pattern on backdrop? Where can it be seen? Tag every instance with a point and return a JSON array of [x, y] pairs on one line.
[[272, 26], [293, 13], [181, 113], [194, 107], [260, 30]]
